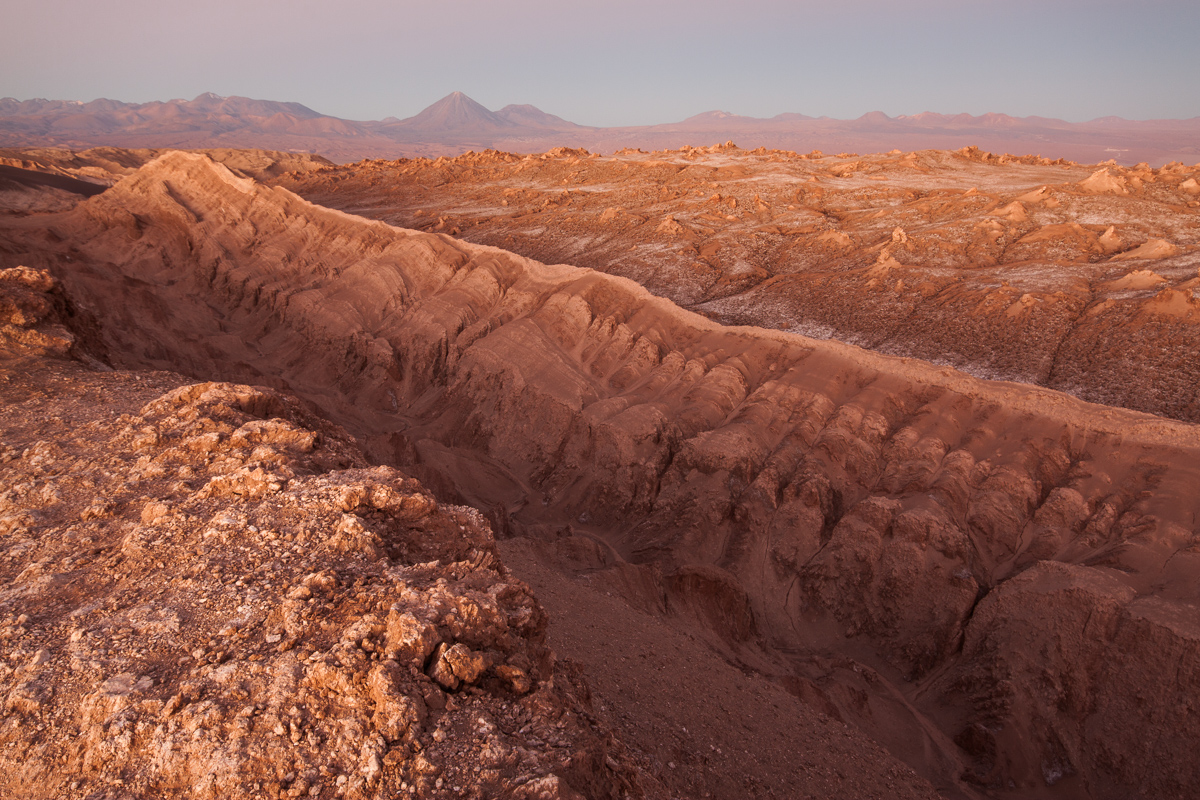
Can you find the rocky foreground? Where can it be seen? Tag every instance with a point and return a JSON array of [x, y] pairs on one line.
[[995, 581], [205, 591], [208, 592]]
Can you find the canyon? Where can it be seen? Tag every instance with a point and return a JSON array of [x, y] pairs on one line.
[[824, 427]]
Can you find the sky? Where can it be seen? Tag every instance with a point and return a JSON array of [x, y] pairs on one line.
[[623, 62]]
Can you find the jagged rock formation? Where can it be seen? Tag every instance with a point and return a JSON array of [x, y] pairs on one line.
[[883, 522], [1079, 279], [212, 595]]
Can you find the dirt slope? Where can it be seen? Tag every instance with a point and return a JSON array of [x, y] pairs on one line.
[[991, 569]]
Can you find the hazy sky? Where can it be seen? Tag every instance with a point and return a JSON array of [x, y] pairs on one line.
[[623, 62]]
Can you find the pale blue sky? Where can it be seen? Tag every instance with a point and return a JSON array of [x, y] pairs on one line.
[[625, 62]]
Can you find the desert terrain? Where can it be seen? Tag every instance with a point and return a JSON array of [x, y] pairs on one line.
[[1079, 278], [838, 476]]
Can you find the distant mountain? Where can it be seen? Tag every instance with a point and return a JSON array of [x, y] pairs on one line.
[[458, 118], [531, 117], [209, 120], [453, 115], [714, 117], [706, 122], [457, 123], [874, 119], [114, 112]]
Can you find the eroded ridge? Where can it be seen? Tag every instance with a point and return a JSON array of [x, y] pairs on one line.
[[991, 550], [1081, 278]]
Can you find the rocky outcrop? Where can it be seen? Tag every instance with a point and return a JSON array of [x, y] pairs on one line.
[[213, 595], [32, 312]]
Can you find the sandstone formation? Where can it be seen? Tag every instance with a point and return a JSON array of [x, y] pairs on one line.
[[998, 581], [1018, 269]]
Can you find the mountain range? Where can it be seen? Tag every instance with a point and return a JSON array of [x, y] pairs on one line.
[[456, 124]]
